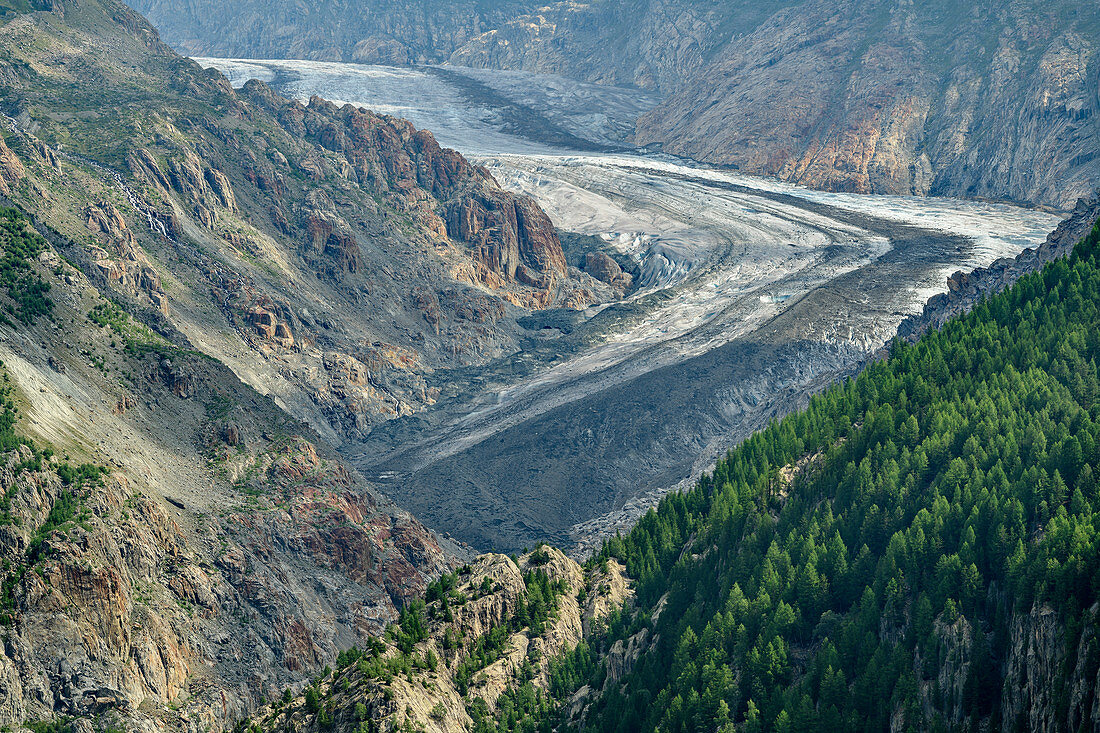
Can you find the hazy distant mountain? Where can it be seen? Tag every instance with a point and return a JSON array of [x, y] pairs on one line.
[[652, 45]]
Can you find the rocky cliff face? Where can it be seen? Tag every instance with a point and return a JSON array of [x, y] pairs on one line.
[[203, 247], [78, 582], [391, 31], [1048, 671], [511, 240], [887, 97]]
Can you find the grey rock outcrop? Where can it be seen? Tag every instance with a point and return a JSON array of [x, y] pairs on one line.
[[966, 289]]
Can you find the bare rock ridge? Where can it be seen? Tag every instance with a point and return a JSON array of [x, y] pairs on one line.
[[994, 101], [1042, 659], [966, 289], [512, 240]]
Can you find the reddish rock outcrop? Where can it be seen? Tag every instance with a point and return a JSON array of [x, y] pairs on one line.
[[11, 169], [343, 248], [600, 266], [428, 304], [177, 378], [471, 305], [78, 620], [503, 232], [329, 519], [265, 321], [127, 268], [221, 187]]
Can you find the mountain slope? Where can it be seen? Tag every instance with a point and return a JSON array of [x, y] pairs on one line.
[[995, 101], [653, 45], [182, 266], [174, 546], [261, 228]]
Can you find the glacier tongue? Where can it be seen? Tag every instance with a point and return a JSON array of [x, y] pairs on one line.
[[727, 263]]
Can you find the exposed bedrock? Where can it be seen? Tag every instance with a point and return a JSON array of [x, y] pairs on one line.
[[966, 289]]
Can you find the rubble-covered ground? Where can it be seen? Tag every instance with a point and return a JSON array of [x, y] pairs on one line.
[[749, 293]]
